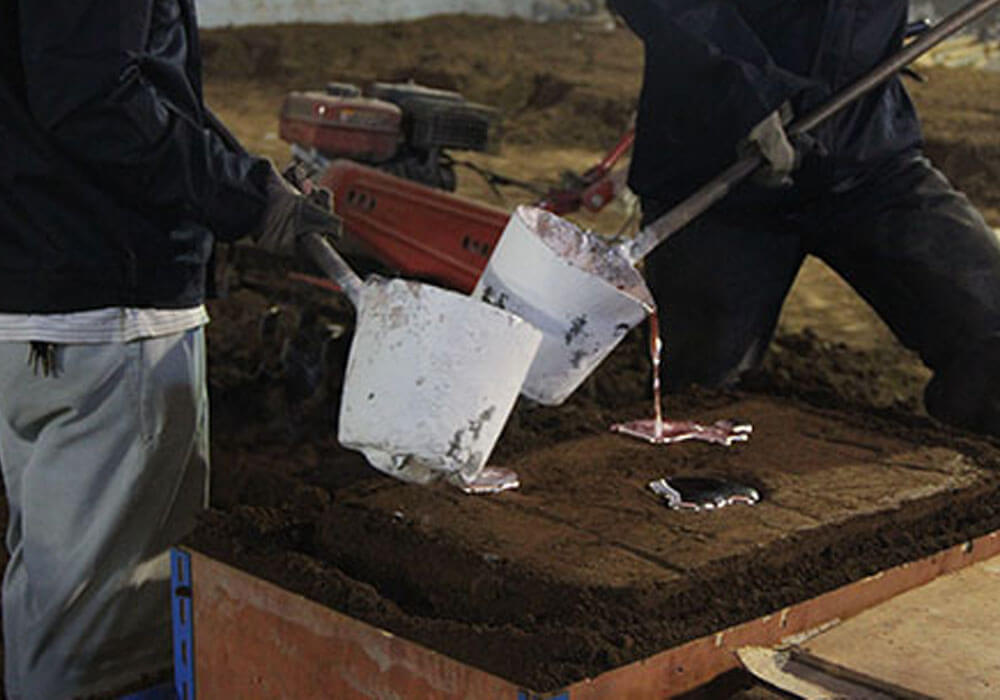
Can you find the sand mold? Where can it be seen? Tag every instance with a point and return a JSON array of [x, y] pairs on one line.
[[583, 569]]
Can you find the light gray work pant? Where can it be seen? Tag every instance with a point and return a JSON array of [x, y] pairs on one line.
[[105, 464]]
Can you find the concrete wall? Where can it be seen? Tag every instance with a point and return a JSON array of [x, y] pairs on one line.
[[220, 13]]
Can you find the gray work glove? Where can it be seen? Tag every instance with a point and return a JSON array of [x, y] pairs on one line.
[[768, 138], [290, 215]]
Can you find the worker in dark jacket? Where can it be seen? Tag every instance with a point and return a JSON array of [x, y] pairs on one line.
[[722, 76], [114, 182]]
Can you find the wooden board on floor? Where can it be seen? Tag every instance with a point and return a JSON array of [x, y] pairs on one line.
[[938, 640]]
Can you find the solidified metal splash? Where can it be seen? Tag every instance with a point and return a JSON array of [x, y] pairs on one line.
[[703, 493], [490, 480], [722, 432]]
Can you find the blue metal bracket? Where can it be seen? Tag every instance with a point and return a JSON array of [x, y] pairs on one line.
[[180, 605]]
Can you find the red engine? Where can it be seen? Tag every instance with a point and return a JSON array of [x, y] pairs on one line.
[[359, 145], [402, 128], [358, 128]]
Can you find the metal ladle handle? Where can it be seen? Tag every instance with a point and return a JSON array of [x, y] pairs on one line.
[[319, 250], [680, 216]]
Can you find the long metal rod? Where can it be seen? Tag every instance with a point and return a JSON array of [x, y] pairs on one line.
[[888, 68], [650, 237], [333, 265], [684, 213]]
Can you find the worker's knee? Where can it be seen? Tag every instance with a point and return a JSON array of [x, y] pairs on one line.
[[966, 392]]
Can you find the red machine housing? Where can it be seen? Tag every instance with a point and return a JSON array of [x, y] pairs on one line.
[[362, 128], [412, 229], [399, 212], [431, 234]]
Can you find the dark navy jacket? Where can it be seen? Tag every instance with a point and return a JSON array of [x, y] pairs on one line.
[[714, 68], [112, 182]]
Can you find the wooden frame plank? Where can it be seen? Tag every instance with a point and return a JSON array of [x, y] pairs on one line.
[[254, 639]]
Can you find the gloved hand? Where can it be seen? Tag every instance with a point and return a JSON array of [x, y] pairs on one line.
[[290, 215], [768, 138]]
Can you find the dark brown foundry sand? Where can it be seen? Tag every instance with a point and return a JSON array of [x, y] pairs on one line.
[[583, 569]]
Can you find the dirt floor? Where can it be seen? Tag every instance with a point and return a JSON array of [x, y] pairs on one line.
[[582, 569]]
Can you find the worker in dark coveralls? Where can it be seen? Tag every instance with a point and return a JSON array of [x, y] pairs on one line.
[[113, 186], [725, 75]]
